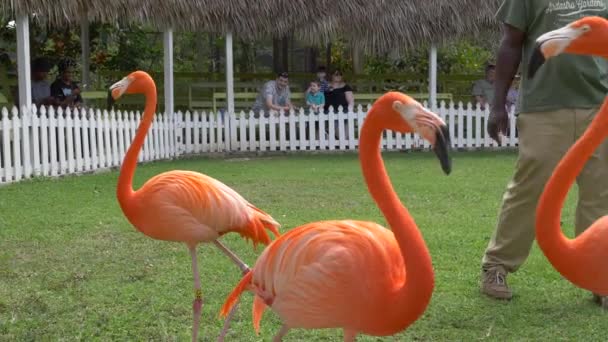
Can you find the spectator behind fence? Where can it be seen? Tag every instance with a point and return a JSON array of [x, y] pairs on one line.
[[41, 89], [513, 93], [315, 99], [274, 95], [322, 78], [483, 90], [65, 91], [339, 94]]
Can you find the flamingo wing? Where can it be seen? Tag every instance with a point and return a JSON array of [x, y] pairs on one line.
[[327, 274], [192, 207]]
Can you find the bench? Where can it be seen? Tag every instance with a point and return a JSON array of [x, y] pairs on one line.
[[211, 86], [245, 100], [371, 97], [94, 94]]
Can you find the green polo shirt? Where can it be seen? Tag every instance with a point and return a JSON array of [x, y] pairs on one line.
[[567, 80]]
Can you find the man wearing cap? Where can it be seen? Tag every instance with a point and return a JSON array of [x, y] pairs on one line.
[[41, 89], [553, 110], [274, 95]]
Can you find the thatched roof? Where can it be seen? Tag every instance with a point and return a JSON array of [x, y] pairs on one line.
[[409, 24], [245, 18], [373, 25]]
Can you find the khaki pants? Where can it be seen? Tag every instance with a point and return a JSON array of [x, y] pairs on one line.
[[544, 138]]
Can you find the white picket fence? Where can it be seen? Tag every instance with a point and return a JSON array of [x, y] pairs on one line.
[[49, 142]]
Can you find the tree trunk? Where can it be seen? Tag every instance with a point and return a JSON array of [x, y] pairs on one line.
[[358, 60], [199, 51], [276, 55], [328, 57], [310, 60], [285, 54]]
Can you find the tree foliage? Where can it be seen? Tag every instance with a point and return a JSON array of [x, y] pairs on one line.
[[116, 48]]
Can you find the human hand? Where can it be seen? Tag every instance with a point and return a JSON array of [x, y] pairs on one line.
[[498, 123]]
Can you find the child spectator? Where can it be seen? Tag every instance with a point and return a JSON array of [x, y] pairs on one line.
[[315, 99]]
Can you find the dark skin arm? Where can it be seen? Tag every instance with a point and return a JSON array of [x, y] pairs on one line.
[[507, 62]]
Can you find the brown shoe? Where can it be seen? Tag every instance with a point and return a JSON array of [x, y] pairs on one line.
[[494, 283], [601, 300]]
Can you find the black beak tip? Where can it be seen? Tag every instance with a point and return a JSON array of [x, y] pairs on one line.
[[110, 100], [442, 149], [536, 61]]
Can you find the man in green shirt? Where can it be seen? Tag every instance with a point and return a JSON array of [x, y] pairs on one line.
[[553, 110]]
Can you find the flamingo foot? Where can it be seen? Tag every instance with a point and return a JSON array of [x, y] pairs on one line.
[[197, 308], [227, 321]]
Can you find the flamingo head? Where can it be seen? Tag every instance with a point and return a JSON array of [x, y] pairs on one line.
[[585, 36], [406, 115], [134, 83]]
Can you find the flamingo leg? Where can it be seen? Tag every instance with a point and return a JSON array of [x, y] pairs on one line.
[[227, 321], [279, 336], [242, 266], [244, 269], [197, 304]]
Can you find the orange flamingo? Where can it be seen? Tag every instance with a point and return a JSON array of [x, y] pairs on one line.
[[183, 206], [581, 260], [352, 274]]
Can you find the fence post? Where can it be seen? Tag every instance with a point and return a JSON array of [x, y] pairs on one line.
[[178, 126], [233, 126], [227, 119]]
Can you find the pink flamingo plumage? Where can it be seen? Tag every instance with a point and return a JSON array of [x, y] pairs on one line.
[[183, 206], [352, 274]]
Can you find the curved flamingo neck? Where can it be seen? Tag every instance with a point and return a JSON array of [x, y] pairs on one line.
[[413, 298], [124, 190], [558, 249]]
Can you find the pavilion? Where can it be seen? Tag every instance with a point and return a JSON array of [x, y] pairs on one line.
[[373, 26]]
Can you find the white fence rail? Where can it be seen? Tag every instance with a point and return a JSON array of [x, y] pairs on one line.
[[49, 142]]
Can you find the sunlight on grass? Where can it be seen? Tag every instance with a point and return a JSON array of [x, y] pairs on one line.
[[72, 267]]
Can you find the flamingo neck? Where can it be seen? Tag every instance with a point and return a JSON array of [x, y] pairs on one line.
[[414, 296], [124, 189], [550, 238]]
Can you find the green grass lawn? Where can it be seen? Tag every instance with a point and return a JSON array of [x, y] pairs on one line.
[[73, 268]]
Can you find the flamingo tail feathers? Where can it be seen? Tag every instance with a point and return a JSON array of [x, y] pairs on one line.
[[235, 294], [256, 229]]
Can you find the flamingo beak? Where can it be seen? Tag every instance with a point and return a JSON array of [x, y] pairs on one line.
[[442, 148], [551, 44], [431, 127], [117, 90], [110, 100]]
